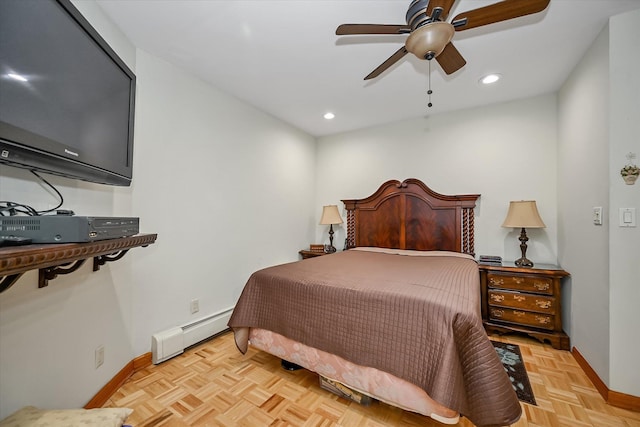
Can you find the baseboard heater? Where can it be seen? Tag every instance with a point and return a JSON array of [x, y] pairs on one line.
[[172, 342]]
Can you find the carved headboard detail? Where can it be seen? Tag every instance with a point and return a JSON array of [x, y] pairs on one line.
[[409, 215]]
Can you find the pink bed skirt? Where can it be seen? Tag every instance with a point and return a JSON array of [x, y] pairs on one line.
[[369, 381]]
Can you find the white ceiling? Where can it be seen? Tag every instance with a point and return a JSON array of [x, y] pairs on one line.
[[284, 58]]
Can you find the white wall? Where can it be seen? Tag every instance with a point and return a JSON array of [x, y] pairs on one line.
[[227, 188], [598, 125], [503, 152], [624, 252], [583, 182]]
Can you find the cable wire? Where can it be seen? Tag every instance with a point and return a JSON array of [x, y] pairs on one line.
[[10, 208]]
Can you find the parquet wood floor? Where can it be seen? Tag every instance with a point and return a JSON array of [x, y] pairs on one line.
[[214, 385]]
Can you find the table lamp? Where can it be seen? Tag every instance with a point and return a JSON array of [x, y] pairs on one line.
[[523, 214], [330, 216]]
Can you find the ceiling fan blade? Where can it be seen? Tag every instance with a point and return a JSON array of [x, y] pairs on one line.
[[388, 63], [497, 12], [450, 59], [353, 29], [445, 5]]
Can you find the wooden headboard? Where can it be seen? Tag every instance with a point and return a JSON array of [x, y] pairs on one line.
[[409, 215]]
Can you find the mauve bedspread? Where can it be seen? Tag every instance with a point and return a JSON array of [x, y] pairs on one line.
[[416, 317]]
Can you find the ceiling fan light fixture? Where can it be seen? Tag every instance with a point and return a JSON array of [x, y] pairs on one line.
[[429, 41], [490, 78], [430, 35]]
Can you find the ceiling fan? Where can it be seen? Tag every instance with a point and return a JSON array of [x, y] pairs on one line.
[[430, 35]]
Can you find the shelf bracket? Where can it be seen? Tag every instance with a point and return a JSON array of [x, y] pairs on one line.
[[50, 273], [8, 281], [103, 259]]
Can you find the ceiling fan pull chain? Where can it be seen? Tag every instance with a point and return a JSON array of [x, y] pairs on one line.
[[429, 91]]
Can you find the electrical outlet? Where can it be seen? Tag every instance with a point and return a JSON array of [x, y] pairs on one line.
[[195, 306], [99, 356]]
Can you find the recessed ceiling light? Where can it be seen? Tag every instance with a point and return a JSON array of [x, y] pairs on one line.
[[490, 78], [17, 77], [329, 116]]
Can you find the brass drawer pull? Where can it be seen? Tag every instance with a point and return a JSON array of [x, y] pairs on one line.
[[518, 280], [519, 313], [497, 298], [541, 286], [497, 282], [519, 298], [543, 304], [497, 313], [543, 320]]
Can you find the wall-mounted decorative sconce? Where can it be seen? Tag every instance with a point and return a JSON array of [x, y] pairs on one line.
[[630, 171]]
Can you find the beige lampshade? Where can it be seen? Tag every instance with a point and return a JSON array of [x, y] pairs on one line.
[[330, 215], [523, 214]]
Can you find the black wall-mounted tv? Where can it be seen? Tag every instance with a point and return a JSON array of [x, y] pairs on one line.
[[66, 98]]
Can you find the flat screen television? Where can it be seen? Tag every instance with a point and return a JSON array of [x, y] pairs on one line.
[[66, 98]]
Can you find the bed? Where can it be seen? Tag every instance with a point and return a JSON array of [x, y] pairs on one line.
[[395, 317]]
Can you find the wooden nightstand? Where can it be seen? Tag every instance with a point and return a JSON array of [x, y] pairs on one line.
[[305, 253], [527, 300]]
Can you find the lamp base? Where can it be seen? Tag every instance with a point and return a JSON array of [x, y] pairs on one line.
[[330, 249], [523, 262]]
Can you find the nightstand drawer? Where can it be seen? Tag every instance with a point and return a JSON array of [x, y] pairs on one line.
[[524, 300], [530, 302], [540, 285], [536, 320]]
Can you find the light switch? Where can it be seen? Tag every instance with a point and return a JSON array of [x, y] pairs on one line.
[[597, 215], [627, 217]]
